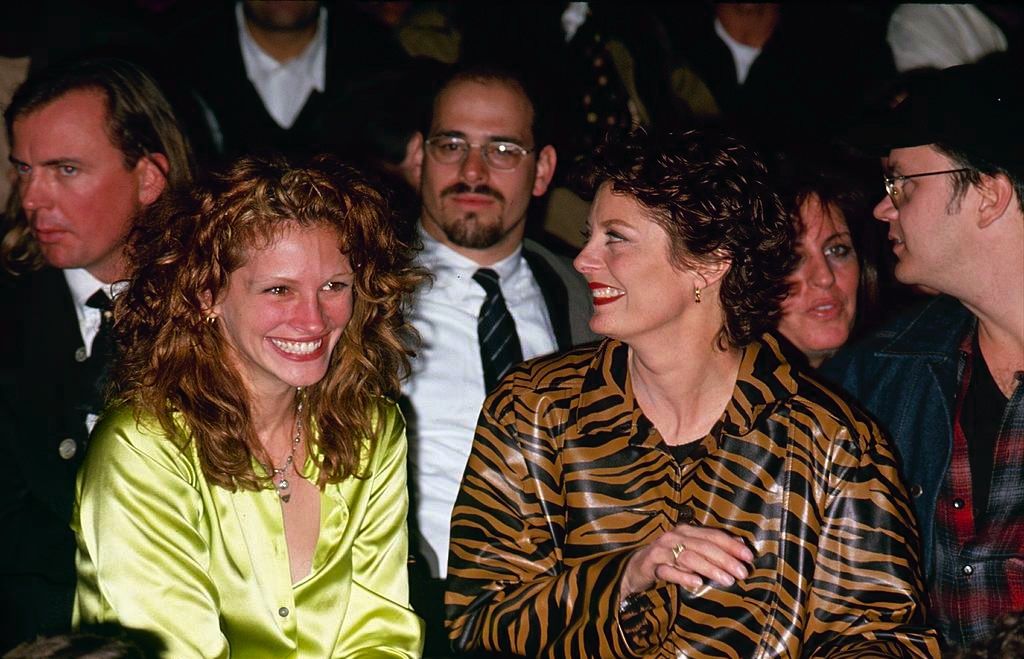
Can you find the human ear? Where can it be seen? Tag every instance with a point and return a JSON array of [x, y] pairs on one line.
[[150, 170], [209, 309], [996, 193], [546, 162], [713, 269], [412, 165]]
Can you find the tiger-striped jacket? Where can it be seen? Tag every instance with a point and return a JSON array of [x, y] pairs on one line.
[[567, 478]]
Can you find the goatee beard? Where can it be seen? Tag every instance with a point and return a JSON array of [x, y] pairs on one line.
[[469, 232]]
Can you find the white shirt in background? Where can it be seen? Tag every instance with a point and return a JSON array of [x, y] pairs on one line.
[[446, 389], [742, 55], [939, 36], [284, 86]]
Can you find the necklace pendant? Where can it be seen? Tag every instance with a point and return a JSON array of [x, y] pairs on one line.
[[282, 484], [285, 498]]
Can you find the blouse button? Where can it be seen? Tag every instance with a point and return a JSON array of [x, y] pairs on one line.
[[968, 570], [283, 612], [686, 514], [916, 490], [67, 448], [958, 503]]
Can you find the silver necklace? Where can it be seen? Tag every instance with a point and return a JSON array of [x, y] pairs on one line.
[[278, 476]]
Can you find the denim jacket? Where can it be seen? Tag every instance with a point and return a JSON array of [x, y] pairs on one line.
[[906, 375]]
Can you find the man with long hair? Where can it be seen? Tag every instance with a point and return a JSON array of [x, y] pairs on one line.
[[93, 142]]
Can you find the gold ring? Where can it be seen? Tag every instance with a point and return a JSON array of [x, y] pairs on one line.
[[678, 549]]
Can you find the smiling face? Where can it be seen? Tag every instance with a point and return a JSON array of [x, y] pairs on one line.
[[637, 291], [78, 196], [475, 209], [822, 304], [283, 312]]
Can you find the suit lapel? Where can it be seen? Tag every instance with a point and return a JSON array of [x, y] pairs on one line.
[[46, 395], [556, 298]]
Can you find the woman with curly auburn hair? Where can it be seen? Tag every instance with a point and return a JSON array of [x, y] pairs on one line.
[[681, 489], [245, 495]]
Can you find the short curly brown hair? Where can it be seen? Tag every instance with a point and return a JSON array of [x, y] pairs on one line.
[[710, 194], [183, 251]]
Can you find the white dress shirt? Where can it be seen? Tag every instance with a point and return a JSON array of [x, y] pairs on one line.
[[743, 56], [82, 286], [284, 86], [446, 389], [573, 17]]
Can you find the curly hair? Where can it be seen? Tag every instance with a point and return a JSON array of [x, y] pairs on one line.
[[176, 364], [710, 194], [140, 122]]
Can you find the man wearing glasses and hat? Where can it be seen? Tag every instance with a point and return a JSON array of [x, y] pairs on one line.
[[947, 380], [496, 298]]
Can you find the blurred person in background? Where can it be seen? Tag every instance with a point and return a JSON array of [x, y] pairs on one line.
[[834, 289]]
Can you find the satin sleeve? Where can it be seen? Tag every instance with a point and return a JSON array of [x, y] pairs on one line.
[[379, 621], [142, 561]]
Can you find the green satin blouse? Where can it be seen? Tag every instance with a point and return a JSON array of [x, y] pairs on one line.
[[206, 570]]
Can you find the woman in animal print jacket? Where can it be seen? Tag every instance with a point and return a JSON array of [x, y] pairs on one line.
[[682, 489]]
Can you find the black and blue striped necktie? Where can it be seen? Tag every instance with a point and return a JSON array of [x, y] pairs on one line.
[[496, 331]]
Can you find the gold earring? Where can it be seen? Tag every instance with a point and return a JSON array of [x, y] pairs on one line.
[[696, 294], [211, 319]]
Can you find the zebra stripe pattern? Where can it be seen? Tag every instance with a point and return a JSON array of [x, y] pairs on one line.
[[567, 478]]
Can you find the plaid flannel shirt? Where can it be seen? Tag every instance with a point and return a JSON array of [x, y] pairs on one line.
[[980, 563]]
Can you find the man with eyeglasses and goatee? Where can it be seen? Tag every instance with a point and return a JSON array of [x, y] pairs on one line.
[[947, 380], [496, 298]]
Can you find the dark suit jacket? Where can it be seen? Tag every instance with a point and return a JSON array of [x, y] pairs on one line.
[[566, 295], [43, 394], [364, 62], [810, 79]]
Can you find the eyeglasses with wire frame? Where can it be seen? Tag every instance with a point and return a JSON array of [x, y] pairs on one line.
[[894, 182], [451, 150]]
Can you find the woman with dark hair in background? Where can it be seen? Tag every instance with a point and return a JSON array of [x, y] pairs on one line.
[[681, 489], [834, 289], [245, 494]]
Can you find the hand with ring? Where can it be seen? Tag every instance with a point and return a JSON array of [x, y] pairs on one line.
[[687, 555]]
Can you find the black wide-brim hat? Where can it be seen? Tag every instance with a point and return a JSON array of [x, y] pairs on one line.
[[975, 109]]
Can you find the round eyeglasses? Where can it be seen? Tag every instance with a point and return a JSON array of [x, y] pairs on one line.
[[450, 150], [894, 182]]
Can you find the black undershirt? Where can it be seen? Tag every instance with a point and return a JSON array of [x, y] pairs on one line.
[[982, 413], [682, 451]]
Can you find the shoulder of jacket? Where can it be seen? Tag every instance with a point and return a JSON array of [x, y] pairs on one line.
[[559, 370]]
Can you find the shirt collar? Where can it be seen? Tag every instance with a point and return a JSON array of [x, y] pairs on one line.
[[441, 259], [310, 64], [573, 17], [82, 285], [764, 379]]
